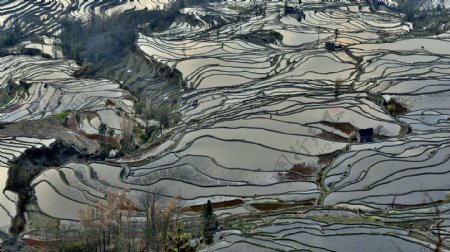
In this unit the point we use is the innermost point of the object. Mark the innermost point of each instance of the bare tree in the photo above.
(107, 226)
(150, 204)
(160, 220)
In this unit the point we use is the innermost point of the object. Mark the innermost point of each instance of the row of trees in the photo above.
(103, 130)
(113, 225)
(127, 143)
(419, 10)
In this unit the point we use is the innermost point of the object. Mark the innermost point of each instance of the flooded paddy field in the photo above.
(50, 11)
(268, 127)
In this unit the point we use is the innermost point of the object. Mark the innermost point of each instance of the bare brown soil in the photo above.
(277, 206)
(333, 137)
(344, 127)
(396, 108)
(231, 203)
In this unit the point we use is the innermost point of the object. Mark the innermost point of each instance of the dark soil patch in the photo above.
(109, 103)
(326, 159)
(280, 205)
(395, 108)
(330, 136)
(16, 108)
(347, 128)
(41, 245)
(261, 37)
(129, 97)
(304, 170)
(231, 203)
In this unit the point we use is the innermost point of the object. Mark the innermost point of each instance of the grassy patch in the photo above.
(347, 219)
(76, 246)
(61, 117)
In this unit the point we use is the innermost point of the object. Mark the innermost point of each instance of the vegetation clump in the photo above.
(426, 18)
(395, 108)
(10, 36)
(209, 222)
(111, 225)
(409, 9)
(62, 117)
(105, 41)
(164, 115)
(262, 37)
(13, 89)
(337, 85)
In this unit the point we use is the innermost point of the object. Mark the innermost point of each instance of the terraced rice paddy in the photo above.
(268, 125)
(53, 90)
(11, 148)
(289, 232)
(49, 11)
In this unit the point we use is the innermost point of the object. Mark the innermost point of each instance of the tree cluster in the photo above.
(106, 133)
(163, 114)
(10, 35)
(108, 226)
(113, 225)
(105, 41)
